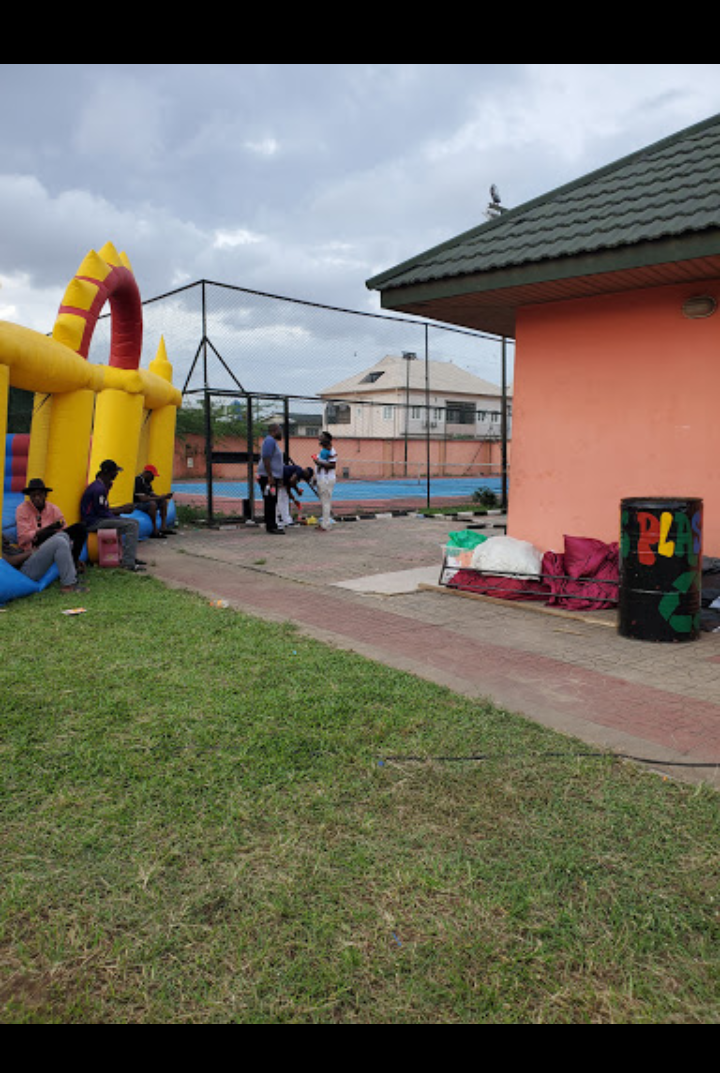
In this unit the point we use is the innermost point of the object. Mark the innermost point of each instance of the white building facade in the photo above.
(403, 396)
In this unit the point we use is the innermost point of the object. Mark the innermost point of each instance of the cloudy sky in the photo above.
(299, 180)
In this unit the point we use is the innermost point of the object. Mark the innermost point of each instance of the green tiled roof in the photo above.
(653, 199)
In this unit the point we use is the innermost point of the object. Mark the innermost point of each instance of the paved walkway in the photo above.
(371, 586)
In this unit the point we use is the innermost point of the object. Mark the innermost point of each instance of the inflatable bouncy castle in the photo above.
(85, 412)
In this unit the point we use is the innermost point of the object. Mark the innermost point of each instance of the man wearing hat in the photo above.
(34, 563)
(96, 513)
(152, 502)
(37, 519)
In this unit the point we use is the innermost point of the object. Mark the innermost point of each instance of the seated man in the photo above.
(96, 513)
(37, 519)
(152, 502)
(34, 563)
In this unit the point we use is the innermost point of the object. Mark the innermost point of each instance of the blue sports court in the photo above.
(360, 491)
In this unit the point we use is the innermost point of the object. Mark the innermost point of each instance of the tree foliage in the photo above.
(226, 420)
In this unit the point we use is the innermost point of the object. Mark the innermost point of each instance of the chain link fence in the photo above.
(243, 358)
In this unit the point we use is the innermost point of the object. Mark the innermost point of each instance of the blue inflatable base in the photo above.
(14, 584)
(146, 523)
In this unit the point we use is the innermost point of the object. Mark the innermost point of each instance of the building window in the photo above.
(460, 413)
(387, 413)
(372, 377)
(415, 412)
(338, 413)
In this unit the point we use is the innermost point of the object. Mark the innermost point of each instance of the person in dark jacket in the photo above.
(292, 475)
(96, 513)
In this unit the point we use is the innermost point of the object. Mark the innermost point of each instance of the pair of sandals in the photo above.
(162, 533)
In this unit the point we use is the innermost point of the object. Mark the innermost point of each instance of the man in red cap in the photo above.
(152, 503)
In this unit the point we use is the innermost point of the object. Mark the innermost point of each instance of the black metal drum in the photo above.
(660, 592)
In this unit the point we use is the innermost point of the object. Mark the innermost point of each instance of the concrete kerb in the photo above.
(373, 589)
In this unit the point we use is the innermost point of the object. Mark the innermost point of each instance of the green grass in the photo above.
(190, 515)
(209, 819)
(194, 516)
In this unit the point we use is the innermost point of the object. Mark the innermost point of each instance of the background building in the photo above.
(610, 287)
(403, 396)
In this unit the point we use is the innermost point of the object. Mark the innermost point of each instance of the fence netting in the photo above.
(243, 358)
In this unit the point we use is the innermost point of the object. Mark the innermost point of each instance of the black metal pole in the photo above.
(250, 463)
(407, 410)
(427, 416)
(208, 416)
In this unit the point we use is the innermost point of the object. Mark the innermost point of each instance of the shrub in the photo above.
(486, 497)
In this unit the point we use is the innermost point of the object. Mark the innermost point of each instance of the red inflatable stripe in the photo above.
(121, 290)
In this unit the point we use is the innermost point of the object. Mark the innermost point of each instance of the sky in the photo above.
(297, 180)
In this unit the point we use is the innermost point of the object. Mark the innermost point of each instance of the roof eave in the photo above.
(488, 301)
(508, 218)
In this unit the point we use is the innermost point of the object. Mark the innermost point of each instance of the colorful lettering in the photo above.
(666, 547)
(697, 530)
(649, 533)
(654, 535)
(684, 538)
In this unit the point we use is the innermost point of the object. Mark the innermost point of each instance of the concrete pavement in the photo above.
(371, 586)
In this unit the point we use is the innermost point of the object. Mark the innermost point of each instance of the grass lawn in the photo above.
(209, 819)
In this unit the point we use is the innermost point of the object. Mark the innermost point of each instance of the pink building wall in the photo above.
(614, 396)
(378, 459)
(364, 459)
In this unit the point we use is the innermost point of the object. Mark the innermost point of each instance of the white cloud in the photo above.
(300, 180)
(240, 237)
(267, 147)
(31, 307)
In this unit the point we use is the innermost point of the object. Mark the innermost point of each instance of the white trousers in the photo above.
(326, 487)
(284, 517)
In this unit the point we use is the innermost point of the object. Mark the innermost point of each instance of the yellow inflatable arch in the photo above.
(85, 412)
